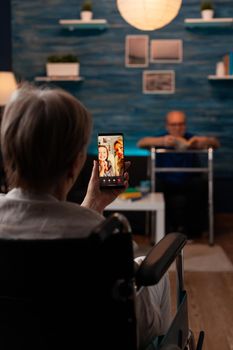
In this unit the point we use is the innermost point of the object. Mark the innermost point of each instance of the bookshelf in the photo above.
(212, 23)
(65, 78)
(72, 24)
(217, 77)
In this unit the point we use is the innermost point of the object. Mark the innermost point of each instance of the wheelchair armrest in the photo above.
(159, 259)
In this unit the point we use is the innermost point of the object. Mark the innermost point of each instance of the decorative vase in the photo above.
(86, 15)
(62, 69)
(207, 14)
(220, 69)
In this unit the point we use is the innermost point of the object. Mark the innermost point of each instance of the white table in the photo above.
(152, 202)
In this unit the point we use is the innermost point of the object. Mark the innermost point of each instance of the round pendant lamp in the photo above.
(148, 14)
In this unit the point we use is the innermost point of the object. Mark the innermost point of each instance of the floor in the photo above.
(223, 234)
(210, 307)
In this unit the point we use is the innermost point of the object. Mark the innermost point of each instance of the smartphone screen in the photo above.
(111, 160)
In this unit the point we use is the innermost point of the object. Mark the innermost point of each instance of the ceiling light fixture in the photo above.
(148, 14)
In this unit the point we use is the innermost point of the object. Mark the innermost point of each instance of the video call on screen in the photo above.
(111, 158)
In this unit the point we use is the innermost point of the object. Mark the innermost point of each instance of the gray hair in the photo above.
(42, 132)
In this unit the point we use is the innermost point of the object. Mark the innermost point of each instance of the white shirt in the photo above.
(33, 216)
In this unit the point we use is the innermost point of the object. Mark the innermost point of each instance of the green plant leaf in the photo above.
(87, 6)
(62, 58)
(207, 5)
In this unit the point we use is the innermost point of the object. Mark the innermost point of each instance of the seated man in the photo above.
(44, 139)
(185, 193)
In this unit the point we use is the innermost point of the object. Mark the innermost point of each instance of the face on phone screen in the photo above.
(111, 160)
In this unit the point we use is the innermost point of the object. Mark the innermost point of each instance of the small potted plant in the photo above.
(86, 13)
(207, 9)
(62, 65)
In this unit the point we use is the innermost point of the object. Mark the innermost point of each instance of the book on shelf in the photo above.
(228, 63)
(231, 63)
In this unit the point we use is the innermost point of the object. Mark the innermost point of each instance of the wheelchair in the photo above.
(80, 293)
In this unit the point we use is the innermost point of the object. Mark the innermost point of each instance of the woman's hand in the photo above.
(96, 198)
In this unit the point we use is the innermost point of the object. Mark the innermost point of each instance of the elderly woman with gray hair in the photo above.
(44, 138)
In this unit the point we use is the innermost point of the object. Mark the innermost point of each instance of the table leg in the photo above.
(153, 227)
(147, 223)
(160, 225)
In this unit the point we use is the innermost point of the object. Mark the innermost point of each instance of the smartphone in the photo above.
(111, 160)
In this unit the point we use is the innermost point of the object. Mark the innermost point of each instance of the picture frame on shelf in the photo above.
(136, 51)
(158, 82)
(166, 51)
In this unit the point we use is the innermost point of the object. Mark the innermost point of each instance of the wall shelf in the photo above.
(72, 24)
(51, 79)
(212, 23)
(224, 77)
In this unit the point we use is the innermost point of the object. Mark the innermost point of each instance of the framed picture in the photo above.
(166, 51)
(158, 82)
(136, 50)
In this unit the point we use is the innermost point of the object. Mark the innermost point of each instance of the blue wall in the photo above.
(113, 92)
